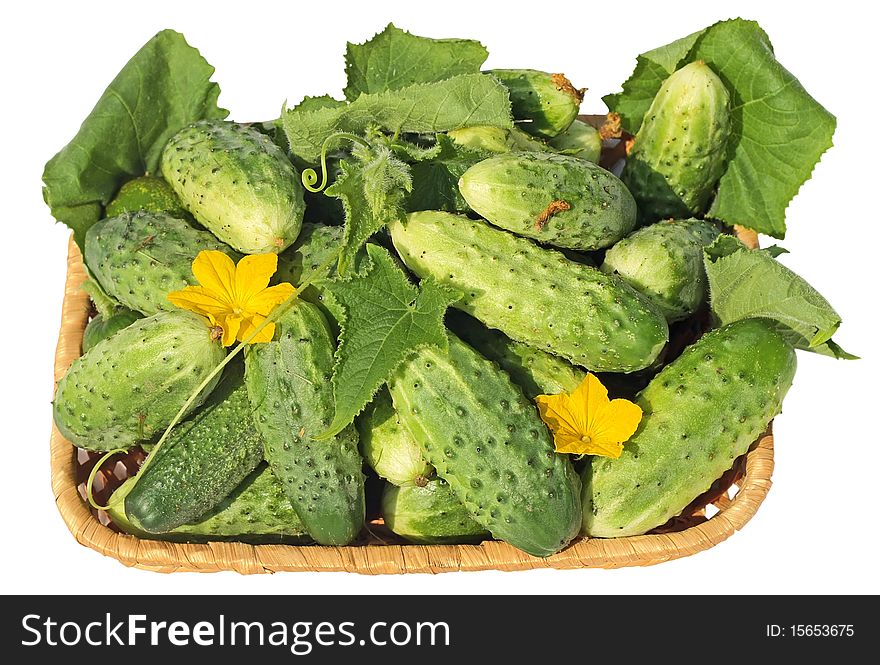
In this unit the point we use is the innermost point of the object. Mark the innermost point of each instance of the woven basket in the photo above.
(712, 518)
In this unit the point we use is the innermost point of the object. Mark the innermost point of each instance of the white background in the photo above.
(817, 531)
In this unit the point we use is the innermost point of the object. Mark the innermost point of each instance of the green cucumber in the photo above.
(101, 327)
(203, 460)
(429, 515)
(581, 140)
(129, 387)
(237, 183)
(701, 412)
(544, 104)
(288, 381)
(534, 295)
(387, 446)
(256, 512)
(139, 258)
(147, 193)
(536, 372)
(496, 140)
(664, 261)
(316, 246)
(680, 151)
(488, 442)
(556, 199)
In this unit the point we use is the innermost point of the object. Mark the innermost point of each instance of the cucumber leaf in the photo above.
(395, 59)
(385, 318)
(163, 88)
(779, 130)
(372, 186)
(435, 182)
(422, 108)
(747, 284)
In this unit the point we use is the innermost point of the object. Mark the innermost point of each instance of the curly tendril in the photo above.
(310, 176)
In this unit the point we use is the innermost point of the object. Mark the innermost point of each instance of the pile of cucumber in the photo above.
(559, 267)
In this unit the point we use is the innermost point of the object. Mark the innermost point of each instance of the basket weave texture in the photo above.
(736, 497)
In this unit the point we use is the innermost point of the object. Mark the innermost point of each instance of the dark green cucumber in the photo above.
(203, 460)
(289, 385)
(316, 245)
(536, 372)
(534, 295)
(258, 511)
(488, 442)
(429, 515)
(544, 104)
(139, 258)
(147, 193)
(701, 412)
(101, 327)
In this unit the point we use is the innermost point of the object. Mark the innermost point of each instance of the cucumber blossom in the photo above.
(557, 199)
(129, 387)
(701, 412)
(139, 258)
(581, 140)
(664, 261)
(237, 183)
(201, 462)
(147, 193)
(488, 442)
(288, 381)
(429, 515)
(544, 104)
(534, 295)
(680, 150)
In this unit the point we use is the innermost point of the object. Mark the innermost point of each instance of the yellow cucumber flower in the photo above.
(236, 299)
(587, 422)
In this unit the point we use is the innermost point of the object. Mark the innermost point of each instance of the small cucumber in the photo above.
(237, 183)
(680, 150)
(544, 104)
(147, 193)
(316, 245)
(288, 381)
(664, 261)
(581, 140)
(488, 442)
(534, 295)
(100, 327)
(556, 199)
(388, 447)
(203, 460)
(701, 412)
(429, 515)
(496, 140)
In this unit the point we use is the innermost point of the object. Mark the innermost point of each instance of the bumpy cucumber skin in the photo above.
(237, 183)
(429, 515)
(147, 193)
(664, 261)
(128, 388)
(203, 460)
(101, 328)
(139, 258)
(680, 150)
(258, 511)
(542, 101)
(534, 295)
(488, 442)
(388, 447)
(701, 412)
(581, 140)
(536, 372)
(289, 385)
(516, 191)
(315, 245)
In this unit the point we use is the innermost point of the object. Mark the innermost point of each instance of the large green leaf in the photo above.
(395, 59)
(779, 130)
(385, 318)
(163, 88)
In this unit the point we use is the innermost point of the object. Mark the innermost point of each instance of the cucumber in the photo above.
(534, 295)
(556, 199)
(288, 381)
(128, 388)
(701, 412)
(533, 370)
(544, 104)
(203, 460)
(139, 258)
(256, 512)
(580, 140)
(237, 183)
(147, 193)
(488, 442)
(429, 515)
(498, 140)
(313, 248)
(387, 446)
(101, 327)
